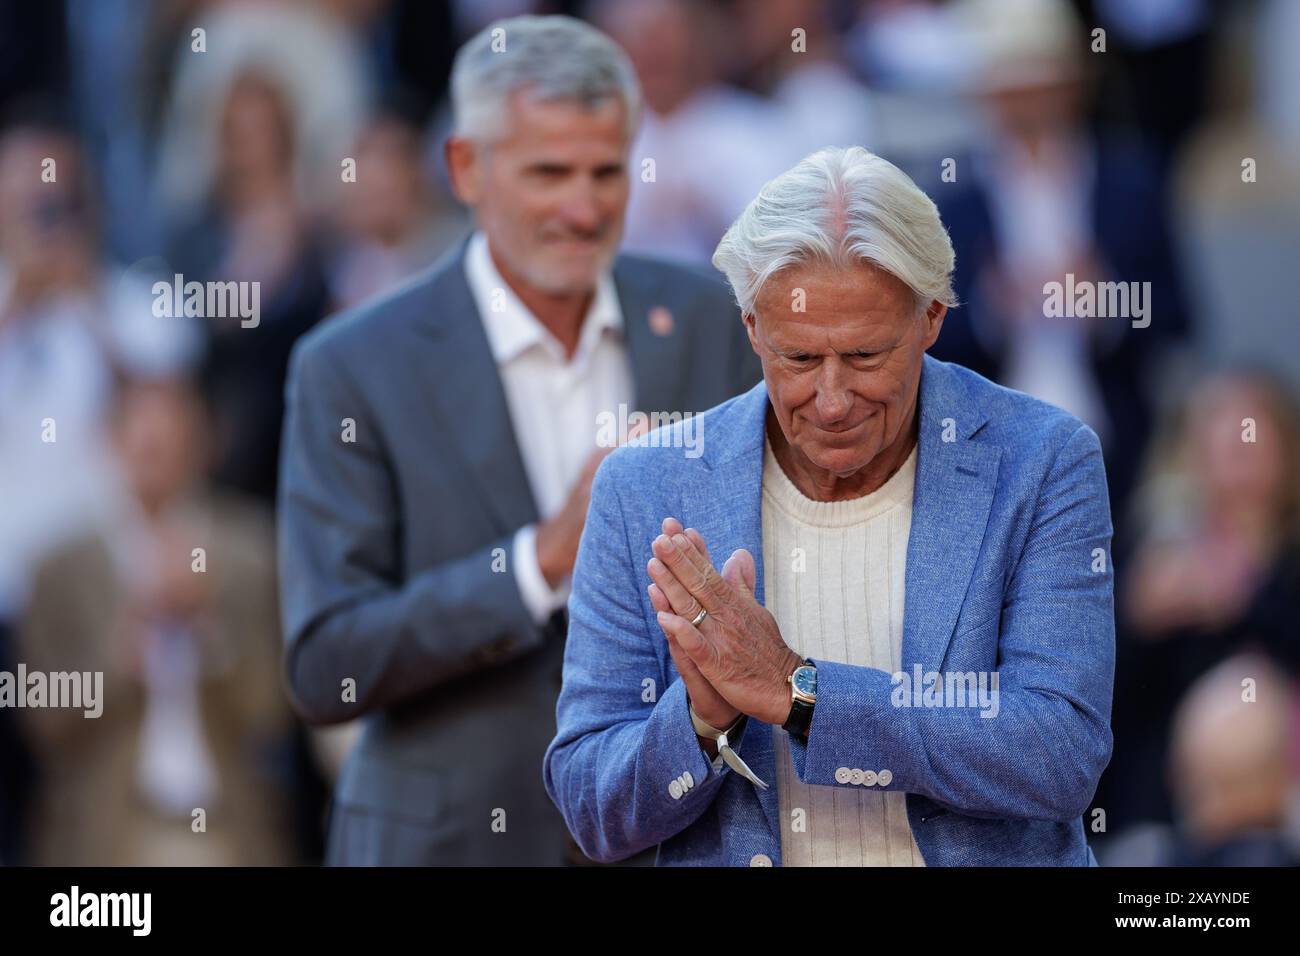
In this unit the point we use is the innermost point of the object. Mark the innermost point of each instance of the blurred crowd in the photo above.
(215, 139)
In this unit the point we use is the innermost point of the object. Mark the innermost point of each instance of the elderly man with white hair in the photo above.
(907, 656)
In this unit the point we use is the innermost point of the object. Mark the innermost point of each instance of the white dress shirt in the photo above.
(555, 403)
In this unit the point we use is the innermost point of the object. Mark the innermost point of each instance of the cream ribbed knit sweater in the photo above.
(833, 579)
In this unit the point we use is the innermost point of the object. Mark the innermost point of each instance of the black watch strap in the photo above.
(800, 719)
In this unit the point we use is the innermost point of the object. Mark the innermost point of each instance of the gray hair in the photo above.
(553, 57)
(839, 206)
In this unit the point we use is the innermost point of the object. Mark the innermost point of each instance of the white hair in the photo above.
(839, 206)
(555, 58)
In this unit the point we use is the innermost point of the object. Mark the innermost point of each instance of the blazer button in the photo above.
(885, 778)
(760, 859)
(842, 775)
(856, 776)
(687, 780)
(869, 778)
(675, 789)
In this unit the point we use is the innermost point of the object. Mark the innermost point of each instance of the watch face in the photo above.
(805, 680)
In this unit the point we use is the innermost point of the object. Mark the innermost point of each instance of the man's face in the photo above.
(551, 194)
(842, 375)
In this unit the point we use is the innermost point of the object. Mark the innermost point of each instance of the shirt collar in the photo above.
(512, 328)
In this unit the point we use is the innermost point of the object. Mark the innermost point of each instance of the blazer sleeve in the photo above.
(1042, 754)
(350, 612)
(625, 768)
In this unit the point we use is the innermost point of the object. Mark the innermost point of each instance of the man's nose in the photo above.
(833, 398)
(582, 209)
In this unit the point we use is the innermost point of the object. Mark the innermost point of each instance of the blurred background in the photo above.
(1165, 149)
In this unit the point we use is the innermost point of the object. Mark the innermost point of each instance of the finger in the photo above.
(672, 526)
(657, 599)
(681, 630)
(680, 600)
(695, 571)
(740, 571)
(697, 685)
(698, 541)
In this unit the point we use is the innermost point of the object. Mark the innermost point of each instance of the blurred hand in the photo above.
(558, 536)
(171, 589)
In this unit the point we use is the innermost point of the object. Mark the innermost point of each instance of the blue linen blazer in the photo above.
(1008, 570)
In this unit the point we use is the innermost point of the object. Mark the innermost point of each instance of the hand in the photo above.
(738, 648)
(558, 537)
(174, 590)
(711, 706)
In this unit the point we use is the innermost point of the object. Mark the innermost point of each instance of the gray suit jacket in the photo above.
(387, 545)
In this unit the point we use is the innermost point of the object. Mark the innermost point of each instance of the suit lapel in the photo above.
(464, 392)
(656, 354)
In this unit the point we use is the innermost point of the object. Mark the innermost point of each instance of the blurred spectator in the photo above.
(1044, 200)
(1153, 75)
(257, 130)
(915, 58)
(299, 50)
(65, 320)
(1233, 768)
(1216, 569)
(820, 103)
(191, 693)
(113, 53)
(711, 146)
(254, 230)
(393, 224)
(1238, 195)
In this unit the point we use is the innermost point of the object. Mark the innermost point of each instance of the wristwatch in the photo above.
(803, 698)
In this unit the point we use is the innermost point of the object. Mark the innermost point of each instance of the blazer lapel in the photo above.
(464, 392)
(955, 482)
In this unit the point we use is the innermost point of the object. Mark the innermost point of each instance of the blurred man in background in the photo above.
(439, 450)
(173, 599)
